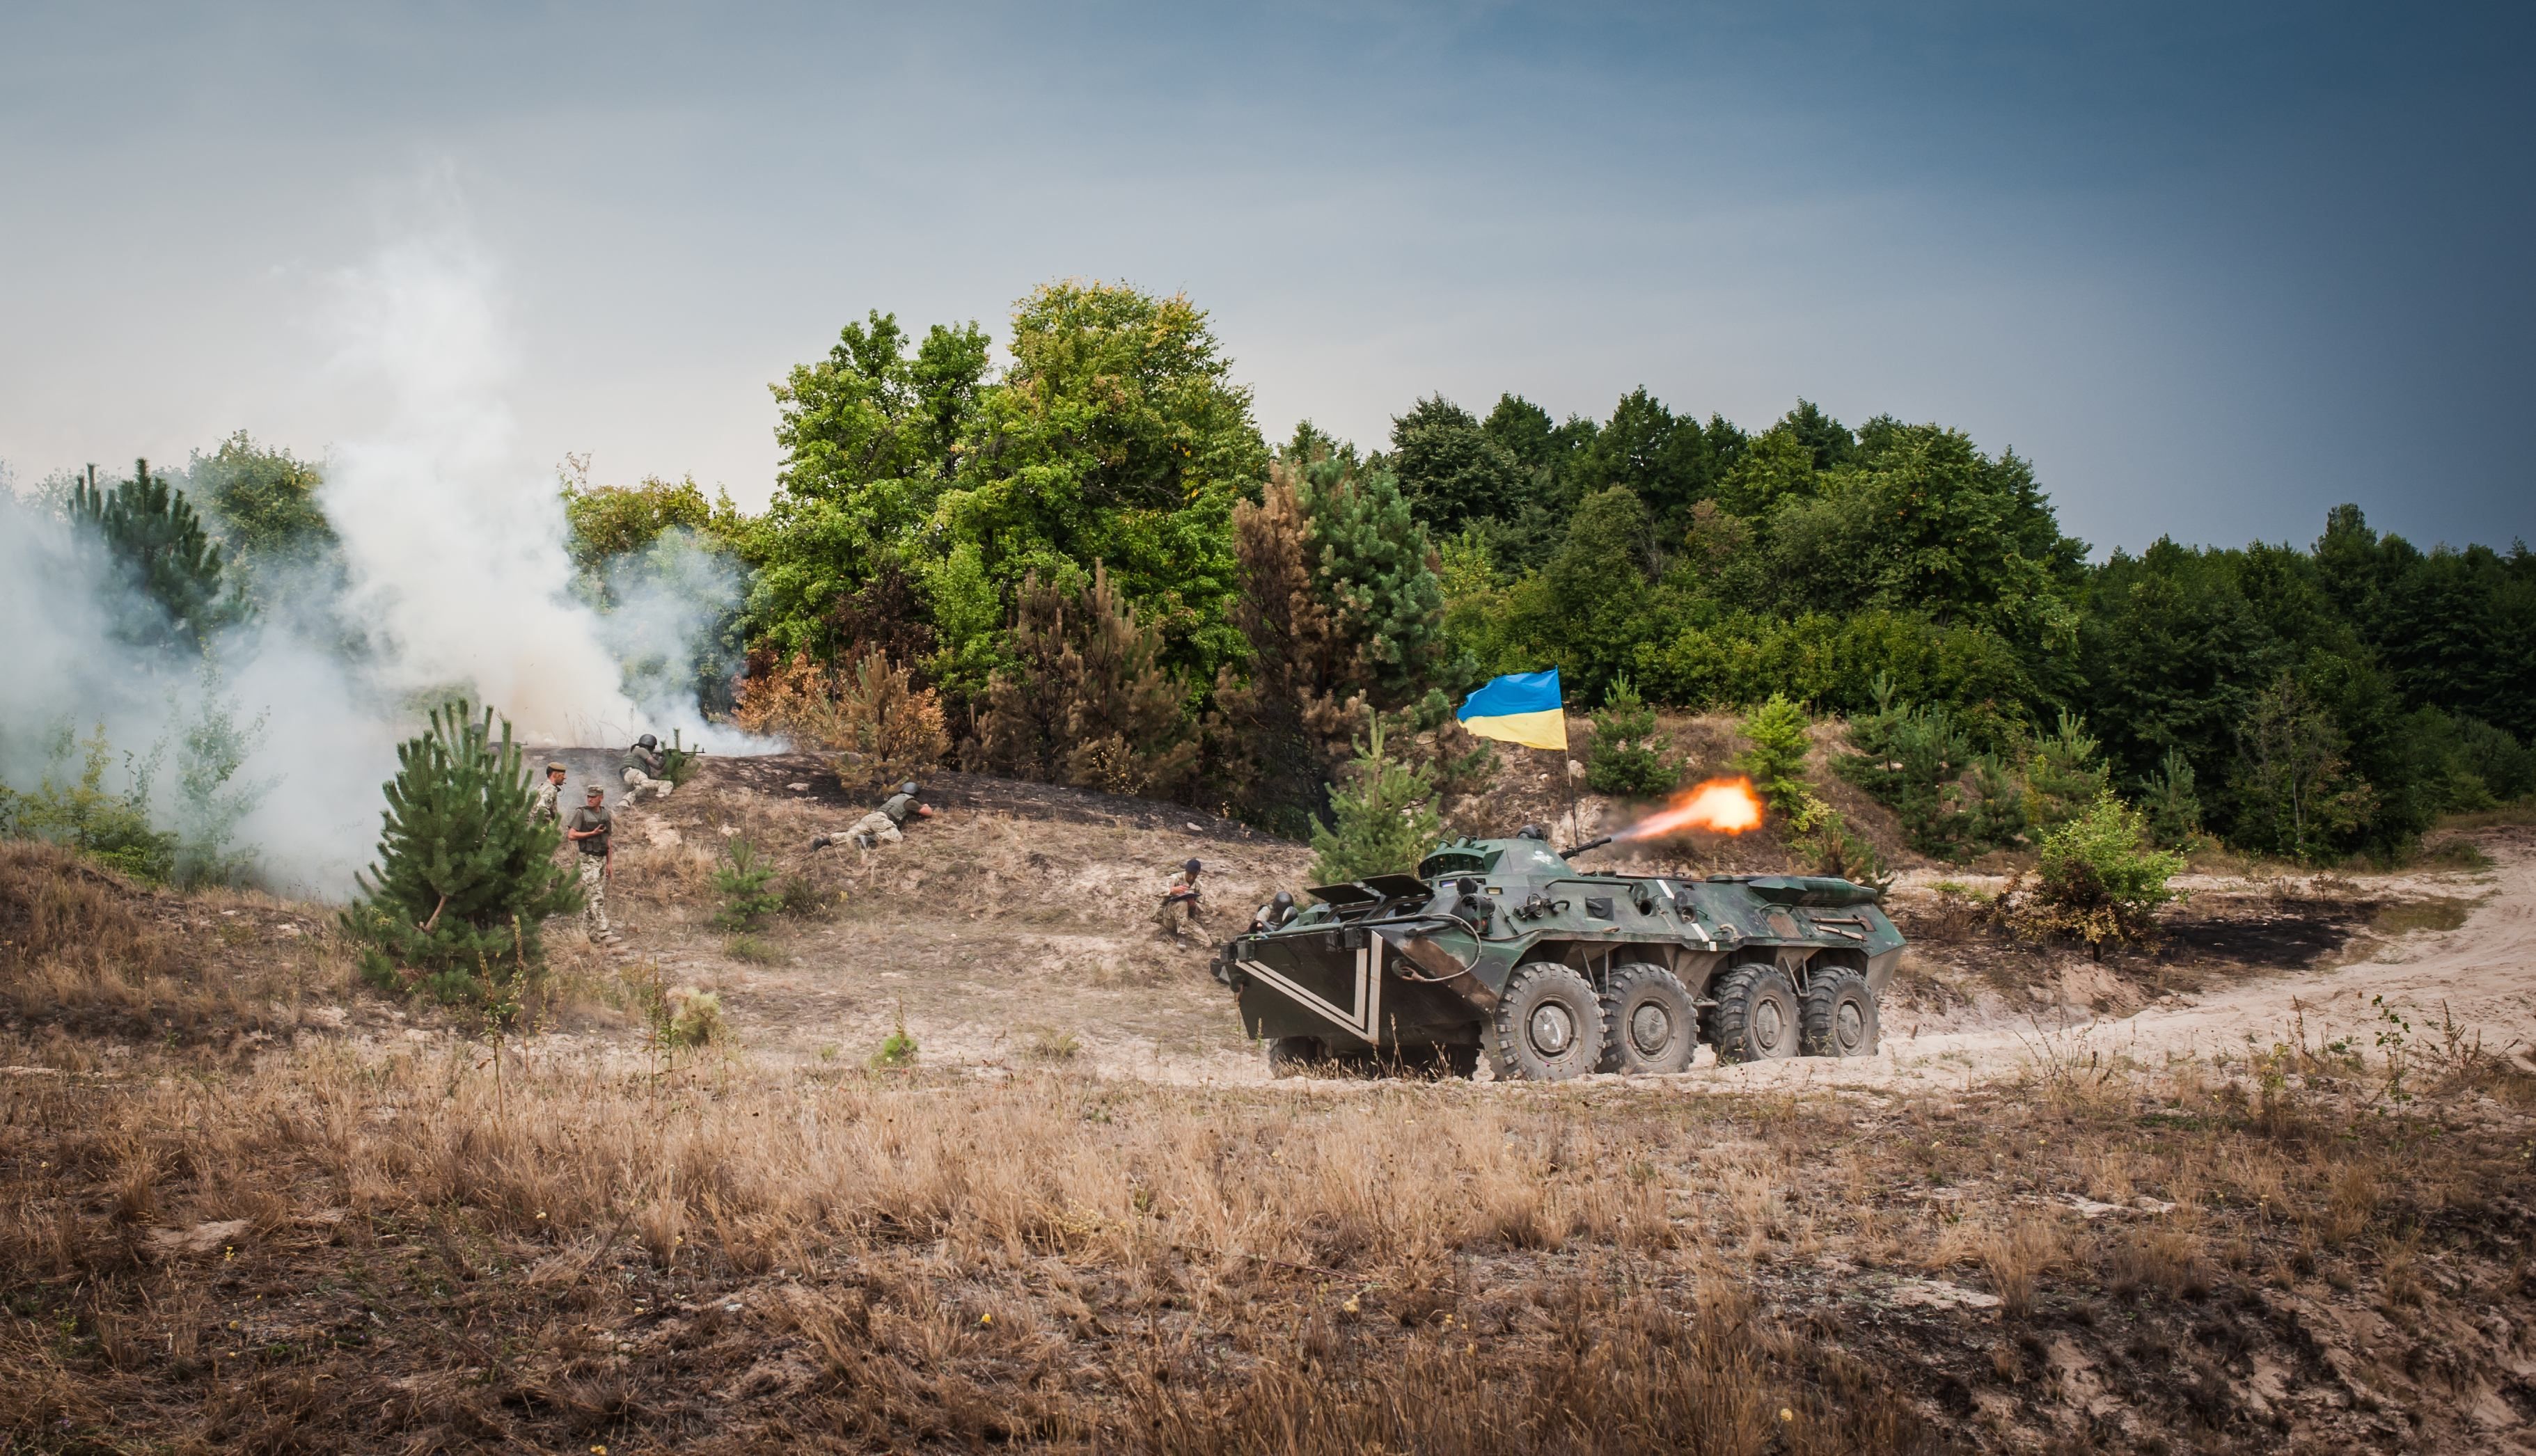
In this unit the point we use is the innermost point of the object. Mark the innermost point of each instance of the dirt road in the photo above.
(2480, 976)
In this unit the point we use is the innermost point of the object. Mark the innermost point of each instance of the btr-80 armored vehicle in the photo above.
(1501, 944)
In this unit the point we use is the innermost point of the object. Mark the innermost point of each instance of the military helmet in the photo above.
(1283, 899)
(647, 741)
(1531, 831)
(908, 787)
(1192, 867)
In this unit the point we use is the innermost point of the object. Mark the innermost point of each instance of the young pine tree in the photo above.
(465, 872)
(2064, 775)
(1629, 755)
(1384, 817)
(158, 542)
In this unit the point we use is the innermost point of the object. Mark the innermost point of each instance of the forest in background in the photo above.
(1091, 566)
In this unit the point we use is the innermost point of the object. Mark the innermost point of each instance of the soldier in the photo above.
(644, 768)
(590, 829)
(1277, 911)
(1181, 894)
(881, 825)
(548, 808)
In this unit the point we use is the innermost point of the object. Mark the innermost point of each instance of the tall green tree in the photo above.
(1118, 437)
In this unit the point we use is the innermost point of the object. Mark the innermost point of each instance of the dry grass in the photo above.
(84, 949)
(917, 1258)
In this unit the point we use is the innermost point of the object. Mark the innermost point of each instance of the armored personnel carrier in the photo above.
(1505, 946)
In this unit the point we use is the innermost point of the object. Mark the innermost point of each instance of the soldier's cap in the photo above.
(1192, 867)
(595, 791)
(556, 768)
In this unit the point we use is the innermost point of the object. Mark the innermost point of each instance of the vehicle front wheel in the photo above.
(1757, 1016)
(1649, 1024)
(1840, 1016)
(1548, 1026)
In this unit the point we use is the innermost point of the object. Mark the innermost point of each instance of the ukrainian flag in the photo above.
(1519, 708)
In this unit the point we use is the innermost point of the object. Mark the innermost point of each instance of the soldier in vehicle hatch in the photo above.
(881, 826)
(1275, 914)
(646, 768)
(590, 829)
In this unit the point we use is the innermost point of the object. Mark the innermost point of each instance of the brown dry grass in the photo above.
(738, 1256)
(82, 948)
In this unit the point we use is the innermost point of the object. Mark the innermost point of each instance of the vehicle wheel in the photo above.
(1840, 1016)
(1757, 1017)
(1649, 1024)
(1548, 1026)
(1295, 1056)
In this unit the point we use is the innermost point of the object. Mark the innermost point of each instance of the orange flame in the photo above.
(1720, 806)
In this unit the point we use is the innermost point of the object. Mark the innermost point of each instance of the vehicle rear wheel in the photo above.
(1649, 1024)
(1757, 1016)
(1295, 1056)
(1840, 1016)
(1547, 1026)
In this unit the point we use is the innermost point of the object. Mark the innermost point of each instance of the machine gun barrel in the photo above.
(1591, 844)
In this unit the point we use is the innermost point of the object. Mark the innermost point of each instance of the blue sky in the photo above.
(2212, 268)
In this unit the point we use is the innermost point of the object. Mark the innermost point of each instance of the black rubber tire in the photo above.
(1757, 1016)
(1548, 1026)
(1295, 1056)
(1643, 1003)
(1840, 1017)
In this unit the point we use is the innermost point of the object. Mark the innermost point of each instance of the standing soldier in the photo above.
(548, 808)
(590, 829)
(645, 768)
(881, 825)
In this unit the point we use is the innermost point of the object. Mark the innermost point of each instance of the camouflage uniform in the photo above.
(643, 771)
(549, 807)
(593, 866)
(880, 826)
(1180, 897)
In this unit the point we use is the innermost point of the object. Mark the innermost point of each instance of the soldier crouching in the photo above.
(645, 768)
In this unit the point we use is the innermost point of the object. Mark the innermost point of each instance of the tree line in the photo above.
(1090, 565)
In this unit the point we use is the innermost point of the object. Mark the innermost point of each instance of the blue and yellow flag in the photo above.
(1519, 708)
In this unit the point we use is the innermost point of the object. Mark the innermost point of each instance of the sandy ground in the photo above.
(1014, 931)
(2480, 978)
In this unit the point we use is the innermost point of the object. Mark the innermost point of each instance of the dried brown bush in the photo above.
(868, 710)
(1087, 700)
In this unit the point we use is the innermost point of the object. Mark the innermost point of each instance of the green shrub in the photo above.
(2172, 802)
(1630, 756)
(465, 873)
(110, 828)
(1953, 801)
(754, 949)
(898, 1049)
(743, 879)
(1384, 819)
(1776, 761)
(694, 1017)
(2064, 773)
(2098, 879)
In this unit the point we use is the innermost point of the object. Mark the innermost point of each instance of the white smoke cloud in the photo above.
(453, 567)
